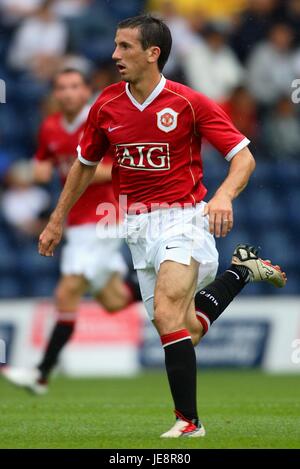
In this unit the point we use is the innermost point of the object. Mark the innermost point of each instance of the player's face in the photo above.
(131, 59)
(71, 92)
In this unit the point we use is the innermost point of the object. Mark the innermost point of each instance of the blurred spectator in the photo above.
(281, 131)
(70, 8)
(241, 108)
(77, 62)
(24, 204)
(253, 25)
(292, 17)
(180, 28)
(5, 162)
(210, 65)
(12, 11)
(212, 9)
(92, 33)
(105, 74)
(39, 43)
(271, 66)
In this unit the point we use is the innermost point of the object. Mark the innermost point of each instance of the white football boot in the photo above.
(259, 269)
(29, 379)
(184, 428)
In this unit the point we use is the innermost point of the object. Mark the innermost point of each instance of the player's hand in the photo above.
(50, 238)
(219, 210)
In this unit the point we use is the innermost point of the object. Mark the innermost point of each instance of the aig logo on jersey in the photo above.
(144, 156)
(167, 119)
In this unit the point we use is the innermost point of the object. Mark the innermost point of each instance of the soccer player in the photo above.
(155, 127)
(88, 262)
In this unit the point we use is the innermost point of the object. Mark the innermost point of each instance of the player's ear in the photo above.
(153, 54)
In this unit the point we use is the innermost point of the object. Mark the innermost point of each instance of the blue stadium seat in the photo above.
(286, 173)
(240, 211)
(292, 203)
(31, 263)
(262, 176)
(120, 10)
(226, 245)
(8, 260)
(10, 287)
(11, 127)
(278, 246)
(38, 286)
(265, 207)
(253, 289)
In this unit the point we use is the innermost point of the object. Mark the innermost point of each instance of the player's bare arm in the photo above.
(102, 173)
(219, 208)
(42, 171)
(78, 180)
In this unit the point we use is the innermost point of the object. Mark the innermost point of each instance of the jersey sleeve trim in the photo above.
(83, 160)
(237, 148)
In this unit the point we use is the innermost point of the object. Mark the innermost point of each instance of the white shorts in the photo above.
(87, 254)
(176, 234)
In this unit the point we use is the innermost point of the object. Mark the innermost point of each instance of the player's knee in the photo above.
(167, 320)
(114, 301)
(169, 312)
(111, 306)
(66, 293)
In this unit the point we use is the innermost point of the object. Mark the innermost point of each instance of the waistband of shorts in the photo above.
(155, 207)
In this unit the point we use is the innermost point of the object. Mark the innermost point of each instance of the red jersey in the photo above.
(57, 143)
(157, 144)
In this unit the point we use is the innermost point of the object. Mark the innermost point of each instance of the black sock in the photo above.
(214, 299)
(181, 369)
(60, 336)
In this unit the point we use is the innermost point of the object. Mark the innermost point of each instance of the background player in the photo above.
(87, 261)
(155, 127)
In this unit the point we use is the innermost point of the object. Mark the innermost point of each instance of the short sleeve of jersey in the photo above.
(42, 153)
(93, 144)
(214, 124)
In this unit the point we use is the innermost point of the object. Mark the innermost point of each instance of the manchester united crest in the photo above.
(167, 119)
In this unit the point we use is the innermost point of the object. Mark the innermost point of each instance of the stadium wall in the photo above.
(253, 333)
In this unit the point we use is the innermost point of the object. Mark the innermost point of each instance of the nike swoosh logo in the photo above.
(172, 247)
(111, 129)
(234, 273)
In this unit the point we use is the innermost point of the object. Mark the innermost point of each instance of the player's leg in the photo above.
(68, 293)
(174, 292)
(115, 295)
(193, 324)
(113, 284)
(67, 296)
(246, 266)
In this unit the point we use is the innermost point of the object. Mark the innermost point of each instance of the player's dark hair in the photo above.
(69, 70)
(154, 32)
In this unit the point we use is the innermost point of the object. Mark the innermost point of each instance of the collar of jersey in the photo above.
(71, 127)
(157, 90)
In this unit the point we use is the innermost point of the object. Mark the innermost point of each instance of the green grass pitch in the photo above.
(240, 409)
